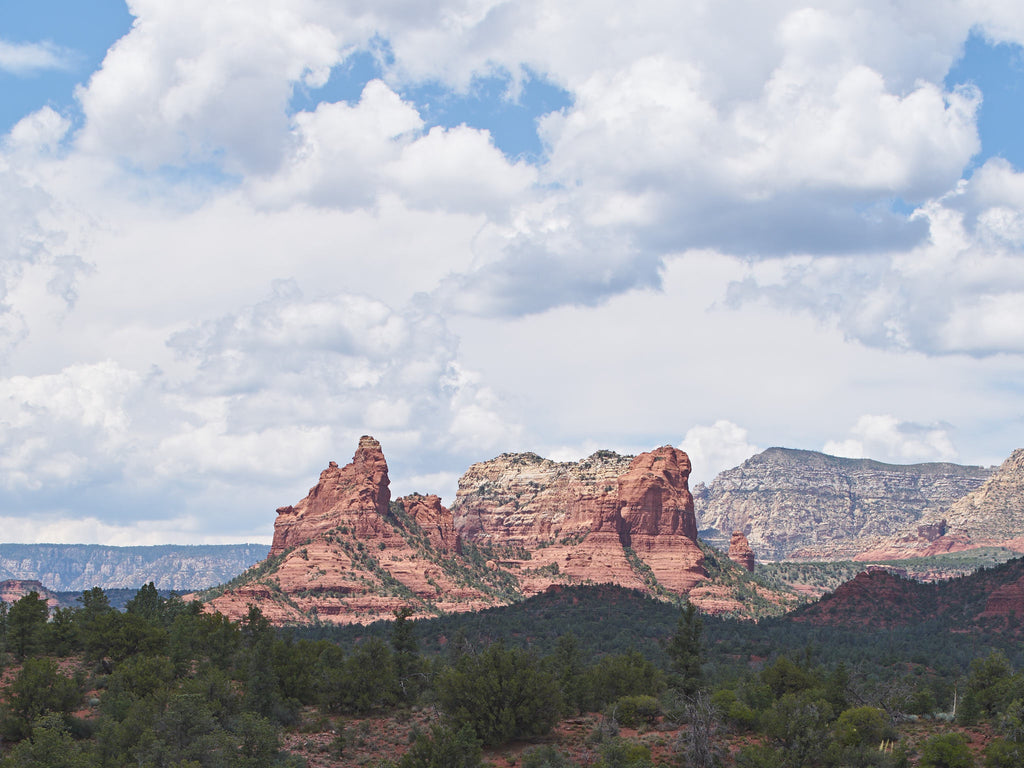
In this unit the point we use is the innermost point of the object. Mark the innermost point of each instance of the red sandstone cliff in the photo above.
(355, 496)
(607, 518)
(345, 554)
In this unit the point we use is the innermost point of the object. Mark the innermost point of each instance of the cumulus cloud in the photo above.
(960, 292)
(667, 145)
(64, 428)
(342, 363)
(205, 82)
(759, 147)
(352, 155)
(887, 438)
(716, 447)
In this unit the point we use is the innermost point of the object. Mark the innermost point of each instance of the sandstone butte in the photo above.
(520, 524)
(347, 554)
(740, 551)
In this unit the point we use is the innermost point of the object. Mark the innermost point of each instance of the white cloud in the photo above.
(958, 293)
(346, 156)
(38, 133)
(64, 428)
(887, 438)
(64, 529)
(456, 303)
(713, 448)
(27, 58)
(201, 82)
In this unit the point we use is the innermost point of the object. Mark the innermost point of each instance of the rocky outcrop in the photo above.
(520, 499)
(521, 524)
(347, 554)
(793, 504)
(605, 519)
(356, 496)
(991, 516)
(994, 513)
(78, 567)
(436, 521)
(740, 551)
(12, 590)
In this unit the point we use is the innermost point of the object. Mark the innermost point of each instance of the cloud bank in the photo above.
(748, 226)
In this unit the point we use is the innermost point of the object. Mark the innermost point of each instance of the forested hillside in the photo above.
(600, 676)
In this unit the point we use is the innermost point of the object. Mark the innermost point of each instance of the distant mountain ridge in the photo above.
(78, 567)
(795, 504)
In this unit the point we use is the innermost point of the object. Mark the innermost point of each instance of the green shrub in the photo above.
(545, 756)
(946, 750)
(632, 711)
(863, 726)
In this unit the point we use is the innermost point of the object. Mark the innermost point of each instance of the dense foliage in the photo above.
(164, 685)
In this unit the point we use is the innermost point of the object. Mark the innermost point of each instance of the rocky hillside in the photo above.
(12, 590)
(994, 513)
(348, 553)
(992, 598)
(795, 504)
(78, 567)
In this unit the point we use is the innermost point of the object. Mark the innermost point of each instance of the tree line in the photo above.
(164, 684)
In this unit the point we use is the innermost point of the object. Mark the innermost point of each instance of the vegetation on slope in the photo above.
(587, 676)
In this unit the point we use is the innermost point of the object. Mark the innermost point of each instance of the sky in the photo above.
(234, 237)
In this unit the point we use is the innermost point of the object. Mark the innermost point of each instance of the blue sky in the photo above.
(79, 36)
(234, 239)
(998, 71)
(82, 39)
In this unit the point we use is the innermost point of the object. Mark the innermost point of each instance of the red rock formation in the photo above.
(740, 551)
(12, 590)
(345, 554)
(586, 517)
(355, 496)
(654, 495)
(341, 555)
(435, 520)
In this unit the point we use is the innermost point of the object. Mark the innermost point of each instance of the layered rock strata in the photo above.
(605, 519)
(347, 554)
(794, 504)
(990, 516)
(356, 496)
(78, 567)
(994, 513)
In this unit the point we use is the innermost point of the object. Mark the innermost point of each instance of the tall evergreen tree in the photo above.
(686, 651)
